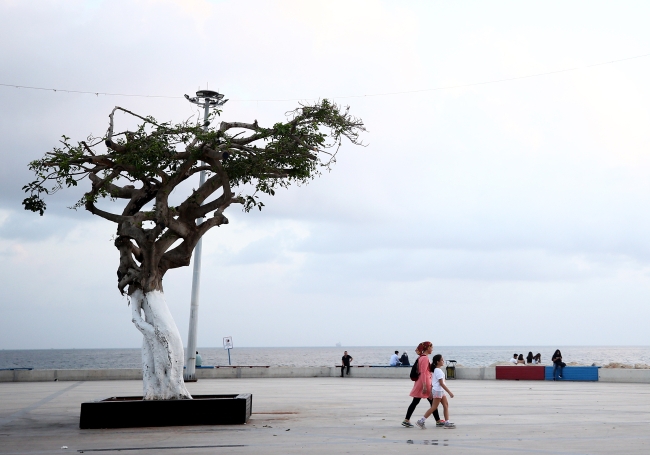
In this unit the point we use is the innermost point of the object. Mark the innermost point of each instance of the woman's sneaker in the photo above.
(420, 424)
(440, 423)
(407, 424)
(448, 425)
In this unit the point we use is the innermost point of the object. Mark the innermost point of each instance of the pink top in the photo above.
(425, 378)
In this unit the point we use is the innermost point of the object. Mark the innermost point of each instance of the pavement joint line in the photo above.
(371, 441)
(38, 404)
(514, 449)
(210, 446)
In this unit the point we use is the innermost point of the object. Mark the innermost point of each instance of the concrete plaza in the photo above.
(349, 415)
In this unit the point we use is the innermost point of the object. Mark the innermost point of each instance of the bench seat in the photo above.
(574, 374)
(523, 372)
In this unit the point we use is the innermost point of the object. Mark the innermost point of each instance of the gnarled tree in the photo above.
(143, 167)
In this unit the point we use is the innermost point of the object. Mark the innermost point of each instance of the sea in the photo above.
(468, 356)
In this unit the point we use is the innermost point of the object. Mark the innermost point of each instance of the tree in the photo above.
(143, 167)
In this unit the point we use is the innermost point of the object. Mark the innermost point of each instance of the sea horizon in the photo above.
(303, 356)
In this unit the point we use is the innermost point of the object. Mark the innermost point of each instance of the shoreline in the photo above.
(474, 357)
(267, 372)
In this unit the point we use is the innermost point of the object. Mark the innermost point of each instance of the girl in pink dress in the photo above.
(422, 387)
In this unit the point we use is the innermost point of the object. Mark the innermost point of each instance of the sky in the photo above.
(478, 212)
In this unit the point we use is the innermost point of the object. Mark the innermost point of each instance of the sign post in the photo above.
(227, 344)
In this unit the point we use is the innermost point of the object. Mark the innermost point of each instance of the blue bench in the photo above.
(573, 374)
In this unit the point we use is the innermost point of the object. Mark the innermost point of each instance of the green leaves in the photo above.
(35, 204)
(265, 159)
(293, 151)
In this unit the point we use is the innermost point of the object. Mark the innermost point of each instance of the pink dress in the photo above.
(425, 378)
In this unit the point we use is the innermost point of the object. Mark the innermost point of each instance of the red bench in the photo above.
(524, 372)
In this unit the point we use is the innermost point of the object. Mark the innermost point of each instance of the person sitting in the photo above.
(537, 359)
(404, 360)
(394, 360)
(520, 360)
(514, 359)
(199, 359)
(529, 358)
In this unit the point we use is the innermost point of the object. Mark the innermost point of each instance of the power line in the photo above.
(404, 92)
(86, 93)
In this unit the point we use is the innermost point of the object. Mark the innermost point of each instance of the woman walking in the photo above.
(422, 387)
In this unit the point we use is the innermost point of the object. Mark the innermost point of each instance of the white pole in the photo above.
(190, 355)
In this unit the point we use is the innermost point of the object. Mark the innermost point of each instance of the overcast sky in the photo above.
(509, 213)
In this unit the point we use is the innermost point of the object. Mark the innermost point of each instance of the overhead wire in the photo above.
(403, 92)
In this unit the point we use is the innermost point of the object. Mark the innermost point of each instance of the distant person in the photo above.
(345, 363)
(520, 360)
(199, 359)
(537, 359)
(558, 365)
(529, 357)
(404, 360)
(438, 393)
(422, 387)
(514, 359)
(394, 359)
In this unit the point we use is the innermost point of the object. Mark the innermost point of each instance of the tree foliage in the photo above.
(144, 166)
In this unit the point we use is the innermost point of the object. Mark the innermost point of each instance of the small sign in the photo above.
(227, 342)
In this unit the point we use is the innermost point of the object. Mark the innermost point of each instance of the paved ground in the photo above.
(334, 415)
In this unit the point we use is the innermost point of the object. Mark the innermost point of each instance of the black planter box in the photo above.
(127, 412)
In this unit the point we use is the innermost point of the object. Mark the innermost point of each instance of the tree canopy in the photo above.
(144, 166)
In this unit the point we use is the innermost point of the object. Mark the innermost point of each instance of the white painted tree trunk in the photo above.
(162, 347)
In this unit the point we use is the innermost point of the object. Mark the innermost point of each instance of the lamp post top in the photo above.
(207, 98)
(209, 94)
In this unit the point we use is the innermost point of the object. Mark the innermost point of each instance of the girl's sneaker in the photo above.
(448, 425)
(440, 423)
(407, 424)
(420, 424)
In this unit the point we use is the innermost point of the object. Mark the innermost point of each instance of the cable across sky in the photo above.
(402, 92)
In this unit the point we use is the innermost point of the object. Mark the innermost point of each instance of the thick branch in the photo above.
(106, 215)
(123, 192)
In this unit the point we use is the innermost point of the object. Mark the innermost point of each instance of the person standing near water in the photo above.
(345, 362)
(422, 387)
(558, 365)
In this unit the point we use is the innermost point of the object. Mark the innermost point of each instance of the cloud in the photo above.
(486, 204)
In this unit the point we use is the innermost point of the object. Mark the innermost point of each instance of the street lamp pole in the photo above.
(207, 99)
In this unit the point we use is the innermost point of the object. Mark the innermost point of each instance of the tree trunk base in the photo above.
(162, 348)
